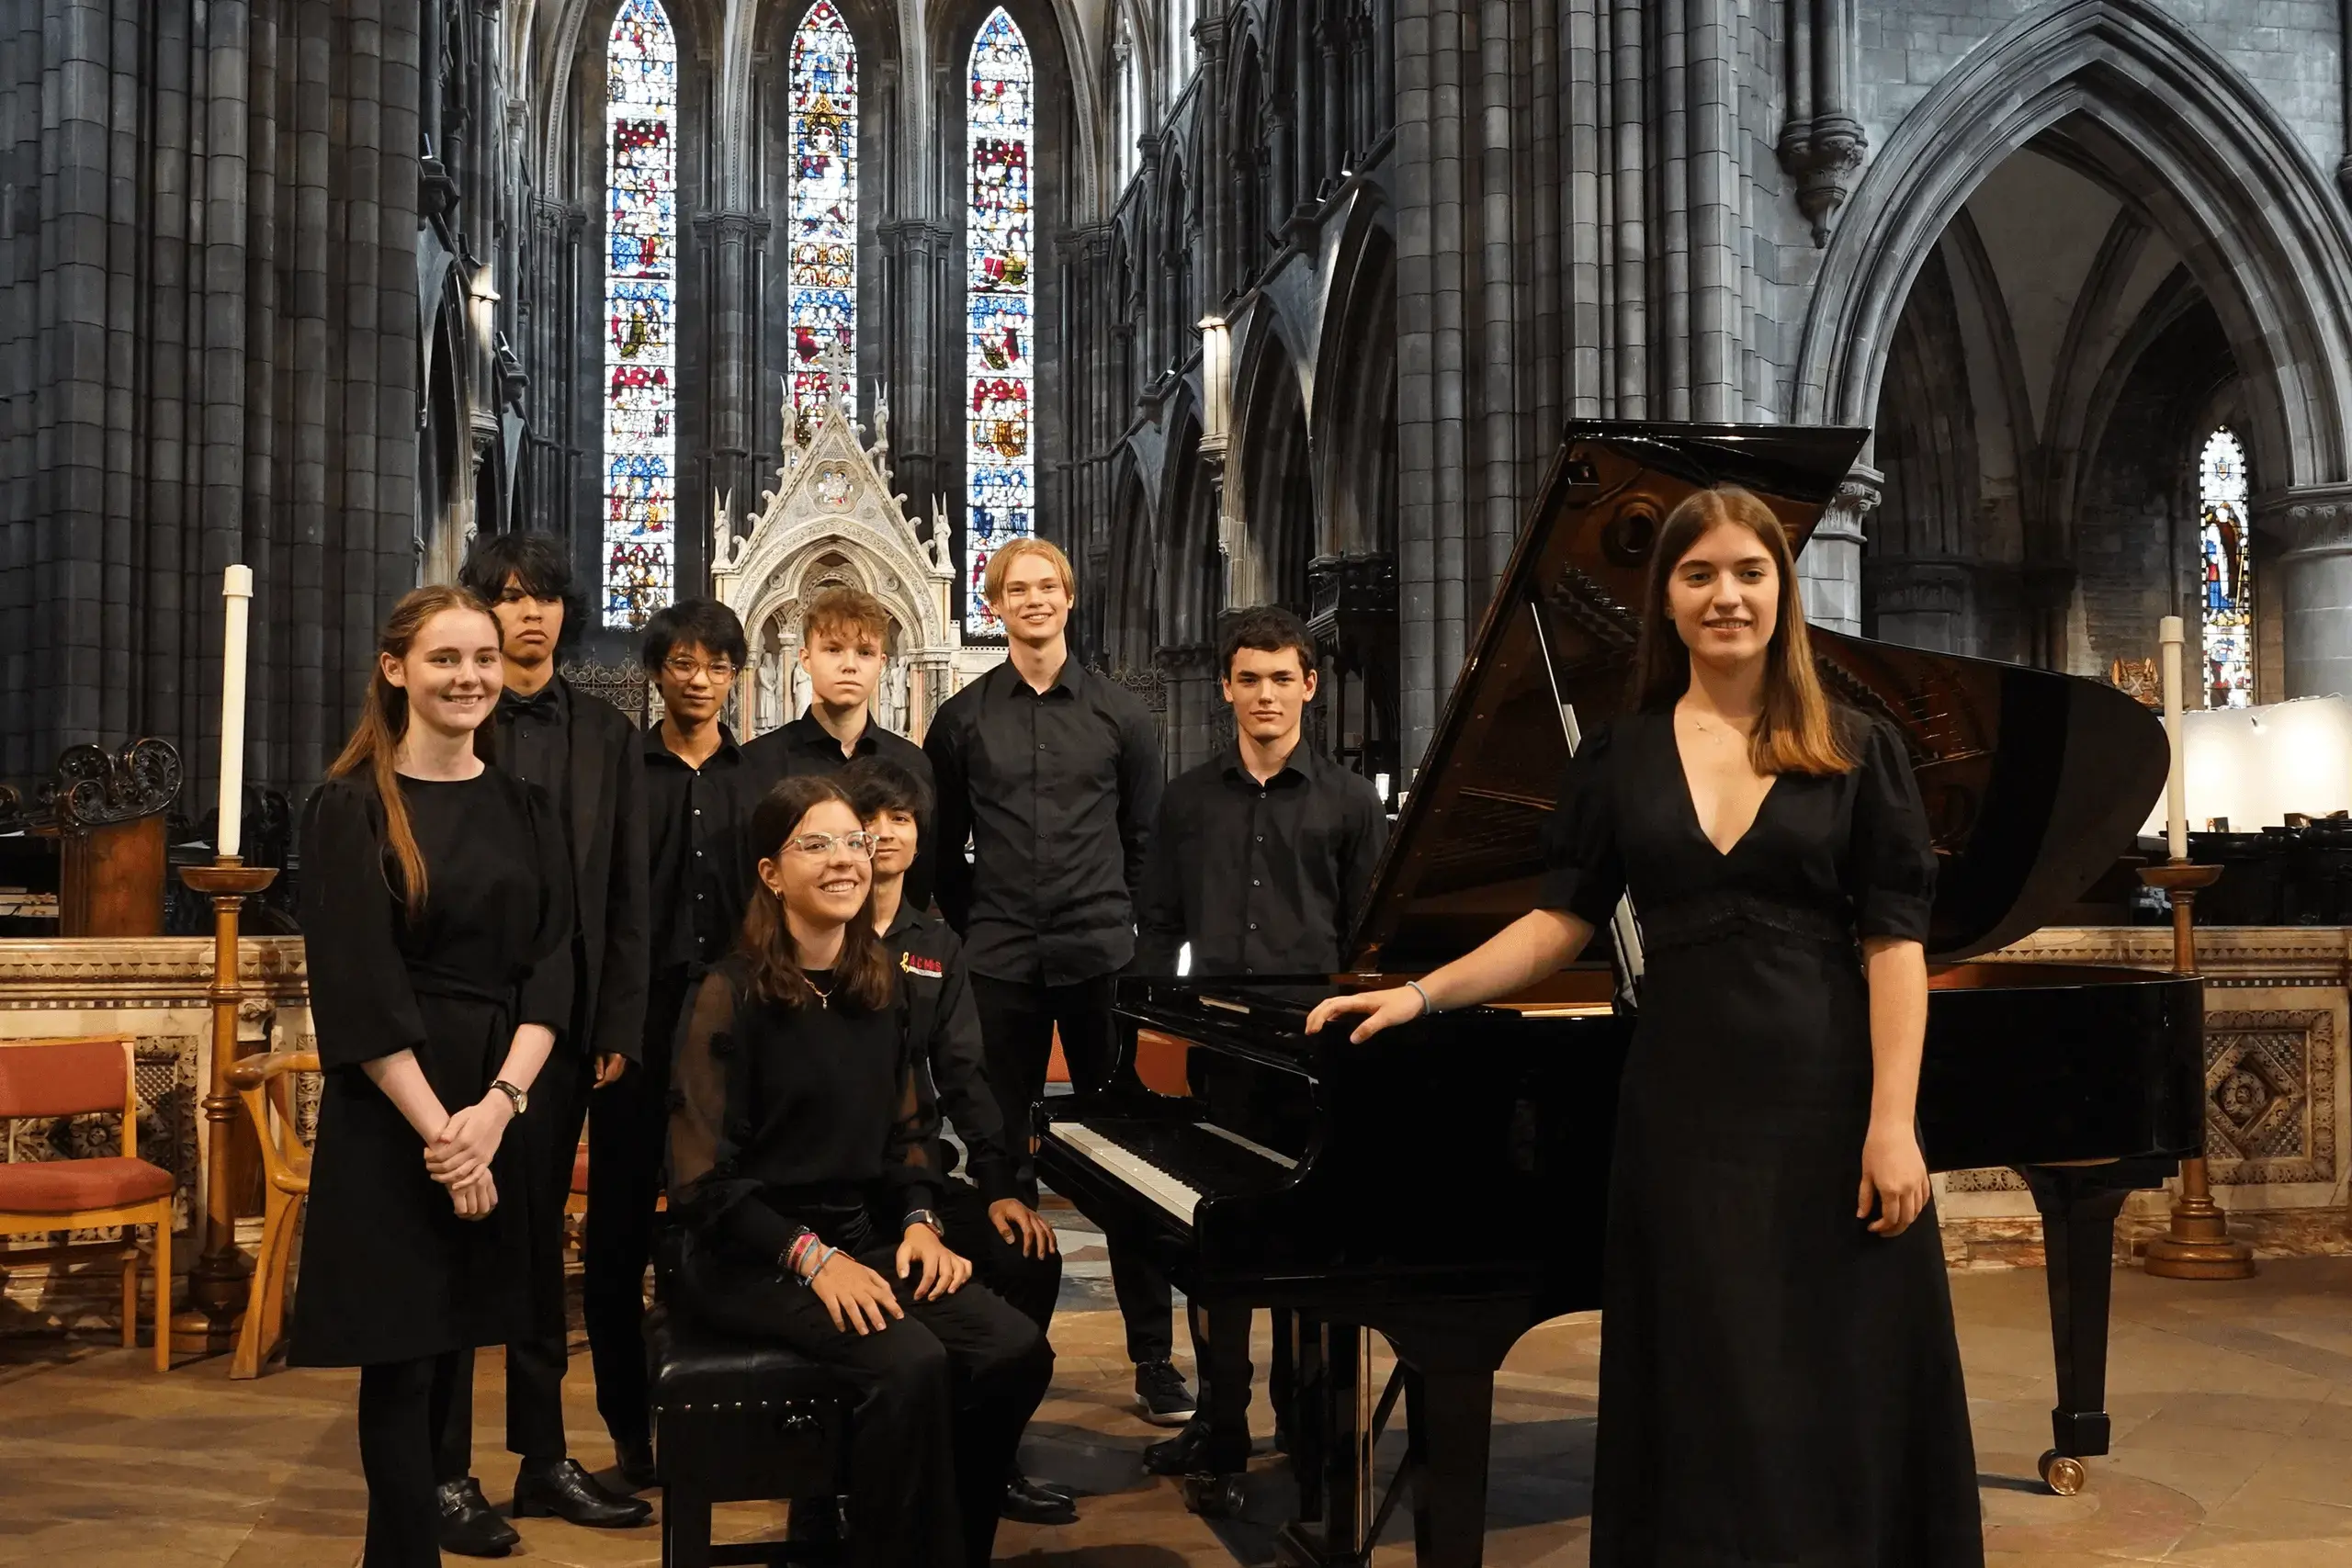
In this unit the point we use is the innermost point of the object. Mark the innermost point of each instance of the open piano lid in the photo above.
(2034, 781)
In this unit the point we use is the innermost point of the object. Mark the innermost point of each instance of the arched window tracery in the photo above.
(821, 304)
(640, 312)
(2226, 590)
(999, 237)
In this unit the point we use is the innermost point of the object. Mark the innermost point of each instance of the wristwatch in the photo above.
(522, 1100)
(925, 1217)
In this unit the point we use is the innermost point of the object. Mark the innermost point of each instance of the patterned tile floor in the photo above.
(2233, 1409)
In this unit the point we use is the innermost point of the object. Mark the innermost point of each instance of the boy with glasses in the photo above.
(695, 811)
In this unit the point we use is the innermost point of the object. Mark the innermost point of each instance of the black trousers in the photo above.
(942, 1396)
(1221, 1352)
(629, 1130)
(403, 1407)
(535, 1367)
(1029, 1285)
(1017, 1023)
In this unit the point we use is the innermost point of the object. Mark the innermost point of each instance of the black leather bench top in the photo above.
(692, 1363)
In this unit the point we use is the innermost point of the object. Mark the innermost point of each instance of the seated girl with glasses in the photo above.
(803, 1169)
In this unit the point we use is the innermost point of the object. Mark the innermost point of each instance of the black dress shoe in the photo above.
(635, 1462)
(1194, 1451)
(1033, 1504)
(1179, 1455)
(563, 1489)
(470, 1526)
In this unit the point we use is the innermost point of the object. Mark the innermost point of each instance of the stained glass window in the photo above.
(640, 314)
(823, 305)
(2229, 582)
(1000, 495)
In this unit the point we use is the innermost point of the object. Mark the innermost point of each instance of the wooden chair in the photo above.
(74, 1078)
(265, 1084)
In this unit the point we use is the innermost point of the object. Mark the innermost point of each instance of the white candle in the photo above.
(2169, 635)
(237, 591)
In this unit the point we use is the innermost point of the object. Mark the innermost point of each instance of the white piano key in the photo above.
(1154, 1183)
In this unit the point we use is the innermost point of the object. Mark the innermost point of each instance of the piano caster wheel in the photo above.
(2062, 1473)
(1214, 1496)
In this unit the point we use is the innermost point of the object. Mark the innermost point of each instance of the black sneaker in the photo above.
(1161, 1397)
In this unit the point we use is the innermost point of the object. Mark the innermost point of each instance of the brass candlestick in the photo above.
(217, 1283)
(2198, 1247)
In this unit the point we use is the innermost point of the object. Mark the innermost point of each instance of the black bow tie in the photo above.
(540, 706)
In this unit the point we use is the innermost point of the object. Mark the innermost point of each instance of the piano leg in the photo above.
(2078, 1206)
(1282, 1376)
(1450, 1413)
(1305, 1427)
(1333, 1457)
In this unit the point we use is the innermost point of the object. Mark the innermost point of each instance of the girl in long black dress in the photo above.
(801, 1164)
(435, 917)
(1779, 1382)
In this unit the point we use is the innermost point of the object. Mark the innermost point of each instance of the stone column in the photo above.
(1829, 572)
(2313, 585)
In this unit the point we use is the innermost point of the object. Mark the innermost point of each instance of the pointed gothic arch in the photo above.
(2137, 100)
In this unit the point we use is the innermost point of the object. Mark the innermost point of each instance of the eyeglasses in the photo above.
(859, 843)
(687, 668)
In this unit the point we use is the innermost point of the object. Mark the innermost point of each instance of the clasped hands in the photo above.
(460, 1155)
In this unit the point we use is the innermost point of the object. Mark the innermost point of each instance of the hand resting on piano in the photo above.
(1534, 946)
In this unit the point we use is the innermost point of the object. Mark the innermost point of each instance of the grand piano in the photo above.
(1443, 1184)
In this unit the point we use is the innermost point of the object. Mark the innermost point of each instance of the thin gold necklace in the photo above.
(824, 998)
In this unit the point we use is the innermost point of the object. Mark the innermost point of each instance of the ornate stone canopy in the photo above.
(833, 520)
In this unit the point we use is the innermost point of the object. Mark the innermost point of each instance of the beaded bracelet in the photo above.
(826, 1255)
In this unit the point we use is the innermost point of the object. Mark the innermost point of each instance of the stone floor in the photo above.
(2233, 1409)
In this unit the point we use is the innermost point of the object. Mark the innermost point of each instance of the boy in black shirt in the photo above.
(1260, 859)
(696, 809)
(586, 754)
(1012, 1248)
(842, 636)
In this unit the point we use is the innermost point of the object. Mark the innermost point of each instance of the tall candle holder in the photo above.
(2199, 1244)
(217, 1282)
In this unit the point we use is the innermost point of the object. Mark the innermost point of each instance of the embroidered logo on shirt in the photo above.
(929, 967)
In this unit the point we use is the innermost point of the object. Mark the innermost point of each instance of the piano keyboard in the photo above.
(1169, 1163)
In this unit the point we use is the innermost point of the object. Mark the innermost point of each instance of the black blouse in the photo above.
(496, 925)
(788, 1120)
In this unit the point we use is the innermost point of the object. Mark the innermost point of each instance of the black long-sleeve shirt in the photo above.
(804, 746)
(786, 1120)
(1260, 878)
(945, 1023)
(695, 819)
(1057, 790)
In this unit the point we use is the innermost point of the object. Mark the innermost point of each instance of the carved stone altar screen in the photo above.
(833, 520)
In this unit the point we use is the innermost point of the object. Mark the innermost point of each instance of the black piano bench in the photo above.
(739, 1421)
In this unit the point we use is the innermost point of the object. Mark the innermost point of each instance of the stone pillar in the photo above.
(2313, 585)
(1922, 604)
(1829, 572)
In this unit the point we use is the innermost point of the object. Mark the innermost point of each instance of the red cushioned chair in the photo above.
(73, 1077)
